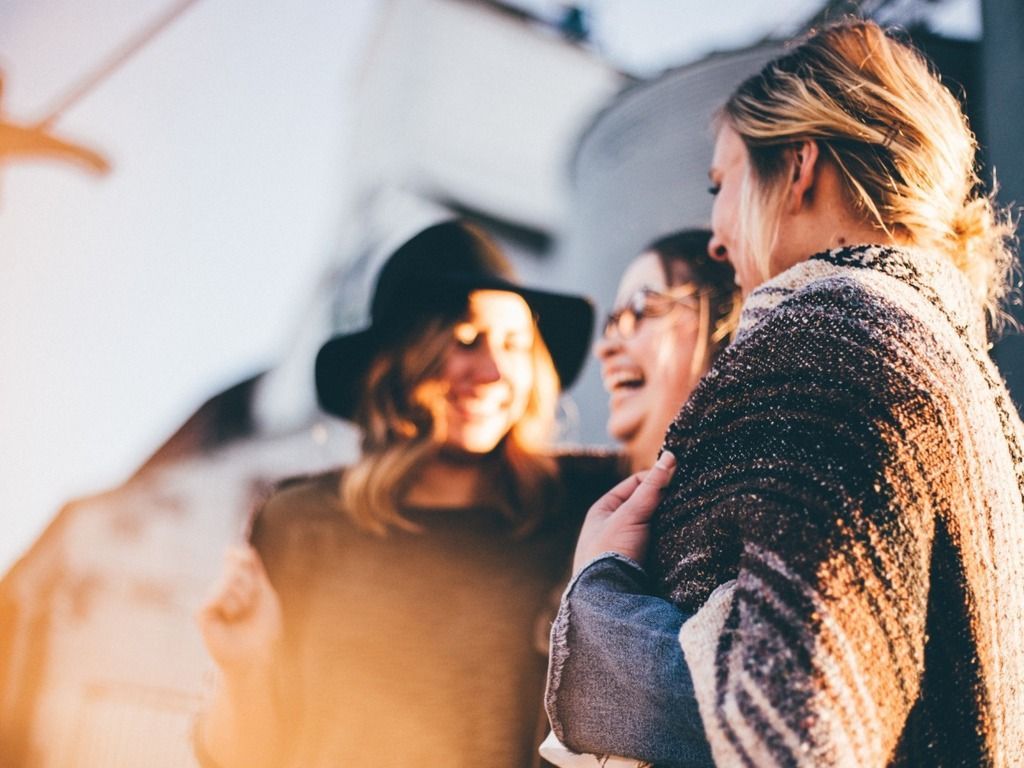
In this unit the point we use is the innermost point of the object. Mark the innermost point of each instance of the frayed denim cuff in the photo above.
(607, 564)
(617, 680)
(560, 628)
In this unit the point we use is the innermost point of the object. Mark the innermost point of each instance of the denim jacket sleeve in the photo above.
(617, 680)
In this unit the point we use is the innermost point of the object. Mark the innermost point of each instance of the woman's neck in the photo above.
(823, 221)
(448, 481)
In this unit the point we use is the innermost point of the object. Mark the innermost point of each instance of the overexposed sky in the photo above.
(127, 300)
(644, 37)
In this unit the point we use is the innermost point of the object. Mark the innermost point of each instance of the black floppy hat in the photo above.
(432, 275)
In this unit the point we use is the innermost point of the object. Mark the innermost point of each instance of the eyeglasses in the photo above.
(650, 303)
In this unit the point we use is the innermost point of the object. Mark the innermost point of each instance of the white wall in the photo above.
(127, 300)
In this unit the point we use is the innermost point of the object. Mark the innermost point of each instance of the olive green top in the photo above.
(416, 649)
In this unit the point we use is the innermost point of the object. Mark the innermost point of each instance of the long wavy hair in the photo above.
(400, 435)
(897, 136)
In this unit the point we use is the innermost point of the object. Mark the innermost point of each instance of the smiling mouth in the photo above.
(478, 409)
(620, 381)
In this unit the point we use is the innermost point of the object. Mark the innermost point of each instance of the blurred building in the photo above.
(1001, 88)
(639, 172)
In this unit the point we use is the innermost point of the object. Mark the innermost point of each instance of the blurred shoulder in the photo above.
(300, 532)
(299, 506)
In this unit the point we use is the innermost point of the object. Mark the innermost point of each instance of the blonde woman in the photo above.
(844, 522)
(386, 614)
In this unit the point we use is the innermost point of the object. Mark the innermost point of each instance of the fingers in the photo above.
(614, 498)
(239, 586)
(641, 490)
(645, 498)
(618, 521)
(659, 475)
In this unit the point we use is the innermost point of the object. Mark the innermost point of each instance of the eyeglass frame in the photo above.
(673, 297)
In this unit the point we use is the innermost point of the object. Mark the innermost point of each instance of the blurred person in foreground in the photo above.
(836, 574)
(386, 613)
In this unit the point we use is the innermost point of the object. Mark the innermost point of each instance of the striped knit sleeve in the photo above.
(807, 468)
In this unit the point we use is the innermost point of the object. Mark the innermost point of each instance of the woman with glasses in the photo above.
(674, 311)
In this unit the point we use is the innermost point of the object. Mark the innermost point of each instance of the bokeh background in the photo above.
(158, 321)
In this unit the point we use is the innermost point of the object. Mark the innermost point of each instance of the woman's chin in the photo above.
(470, 445)
(623, 428)
(460, 454)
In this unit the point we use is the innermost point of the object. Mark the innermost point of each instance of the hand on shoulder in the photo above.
(241, 620)
(620, 520)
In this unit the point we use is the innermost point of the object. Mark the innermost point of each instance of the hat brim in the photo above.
(565, 322)
(341, 365)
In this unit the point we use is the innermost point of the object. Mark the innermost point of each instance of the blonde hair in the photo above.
(897, 136)
(400, 434)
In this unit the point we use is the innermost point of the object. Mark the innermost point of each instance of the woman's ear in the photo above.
(805, 172)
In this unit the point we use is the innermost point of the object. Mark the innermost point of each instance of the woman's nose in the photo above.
(485, 366)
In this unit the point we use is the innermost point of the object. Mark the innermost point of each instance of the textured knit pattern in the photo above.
(855, 463)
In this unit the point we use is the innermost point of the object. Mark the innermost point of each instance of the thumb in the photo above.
(659, 475)
(644, 500)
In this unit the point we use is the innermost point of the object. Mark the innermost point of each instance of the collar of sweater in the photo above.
(880, 269)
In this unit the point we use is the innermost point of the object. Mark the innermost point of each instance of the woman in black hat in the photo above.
(388, 614)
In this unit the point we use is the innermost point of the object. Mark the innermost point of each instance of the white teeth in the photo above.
(623, 378)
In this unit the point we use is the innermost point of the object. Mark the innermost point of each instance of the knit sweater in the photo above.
(854, 463)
